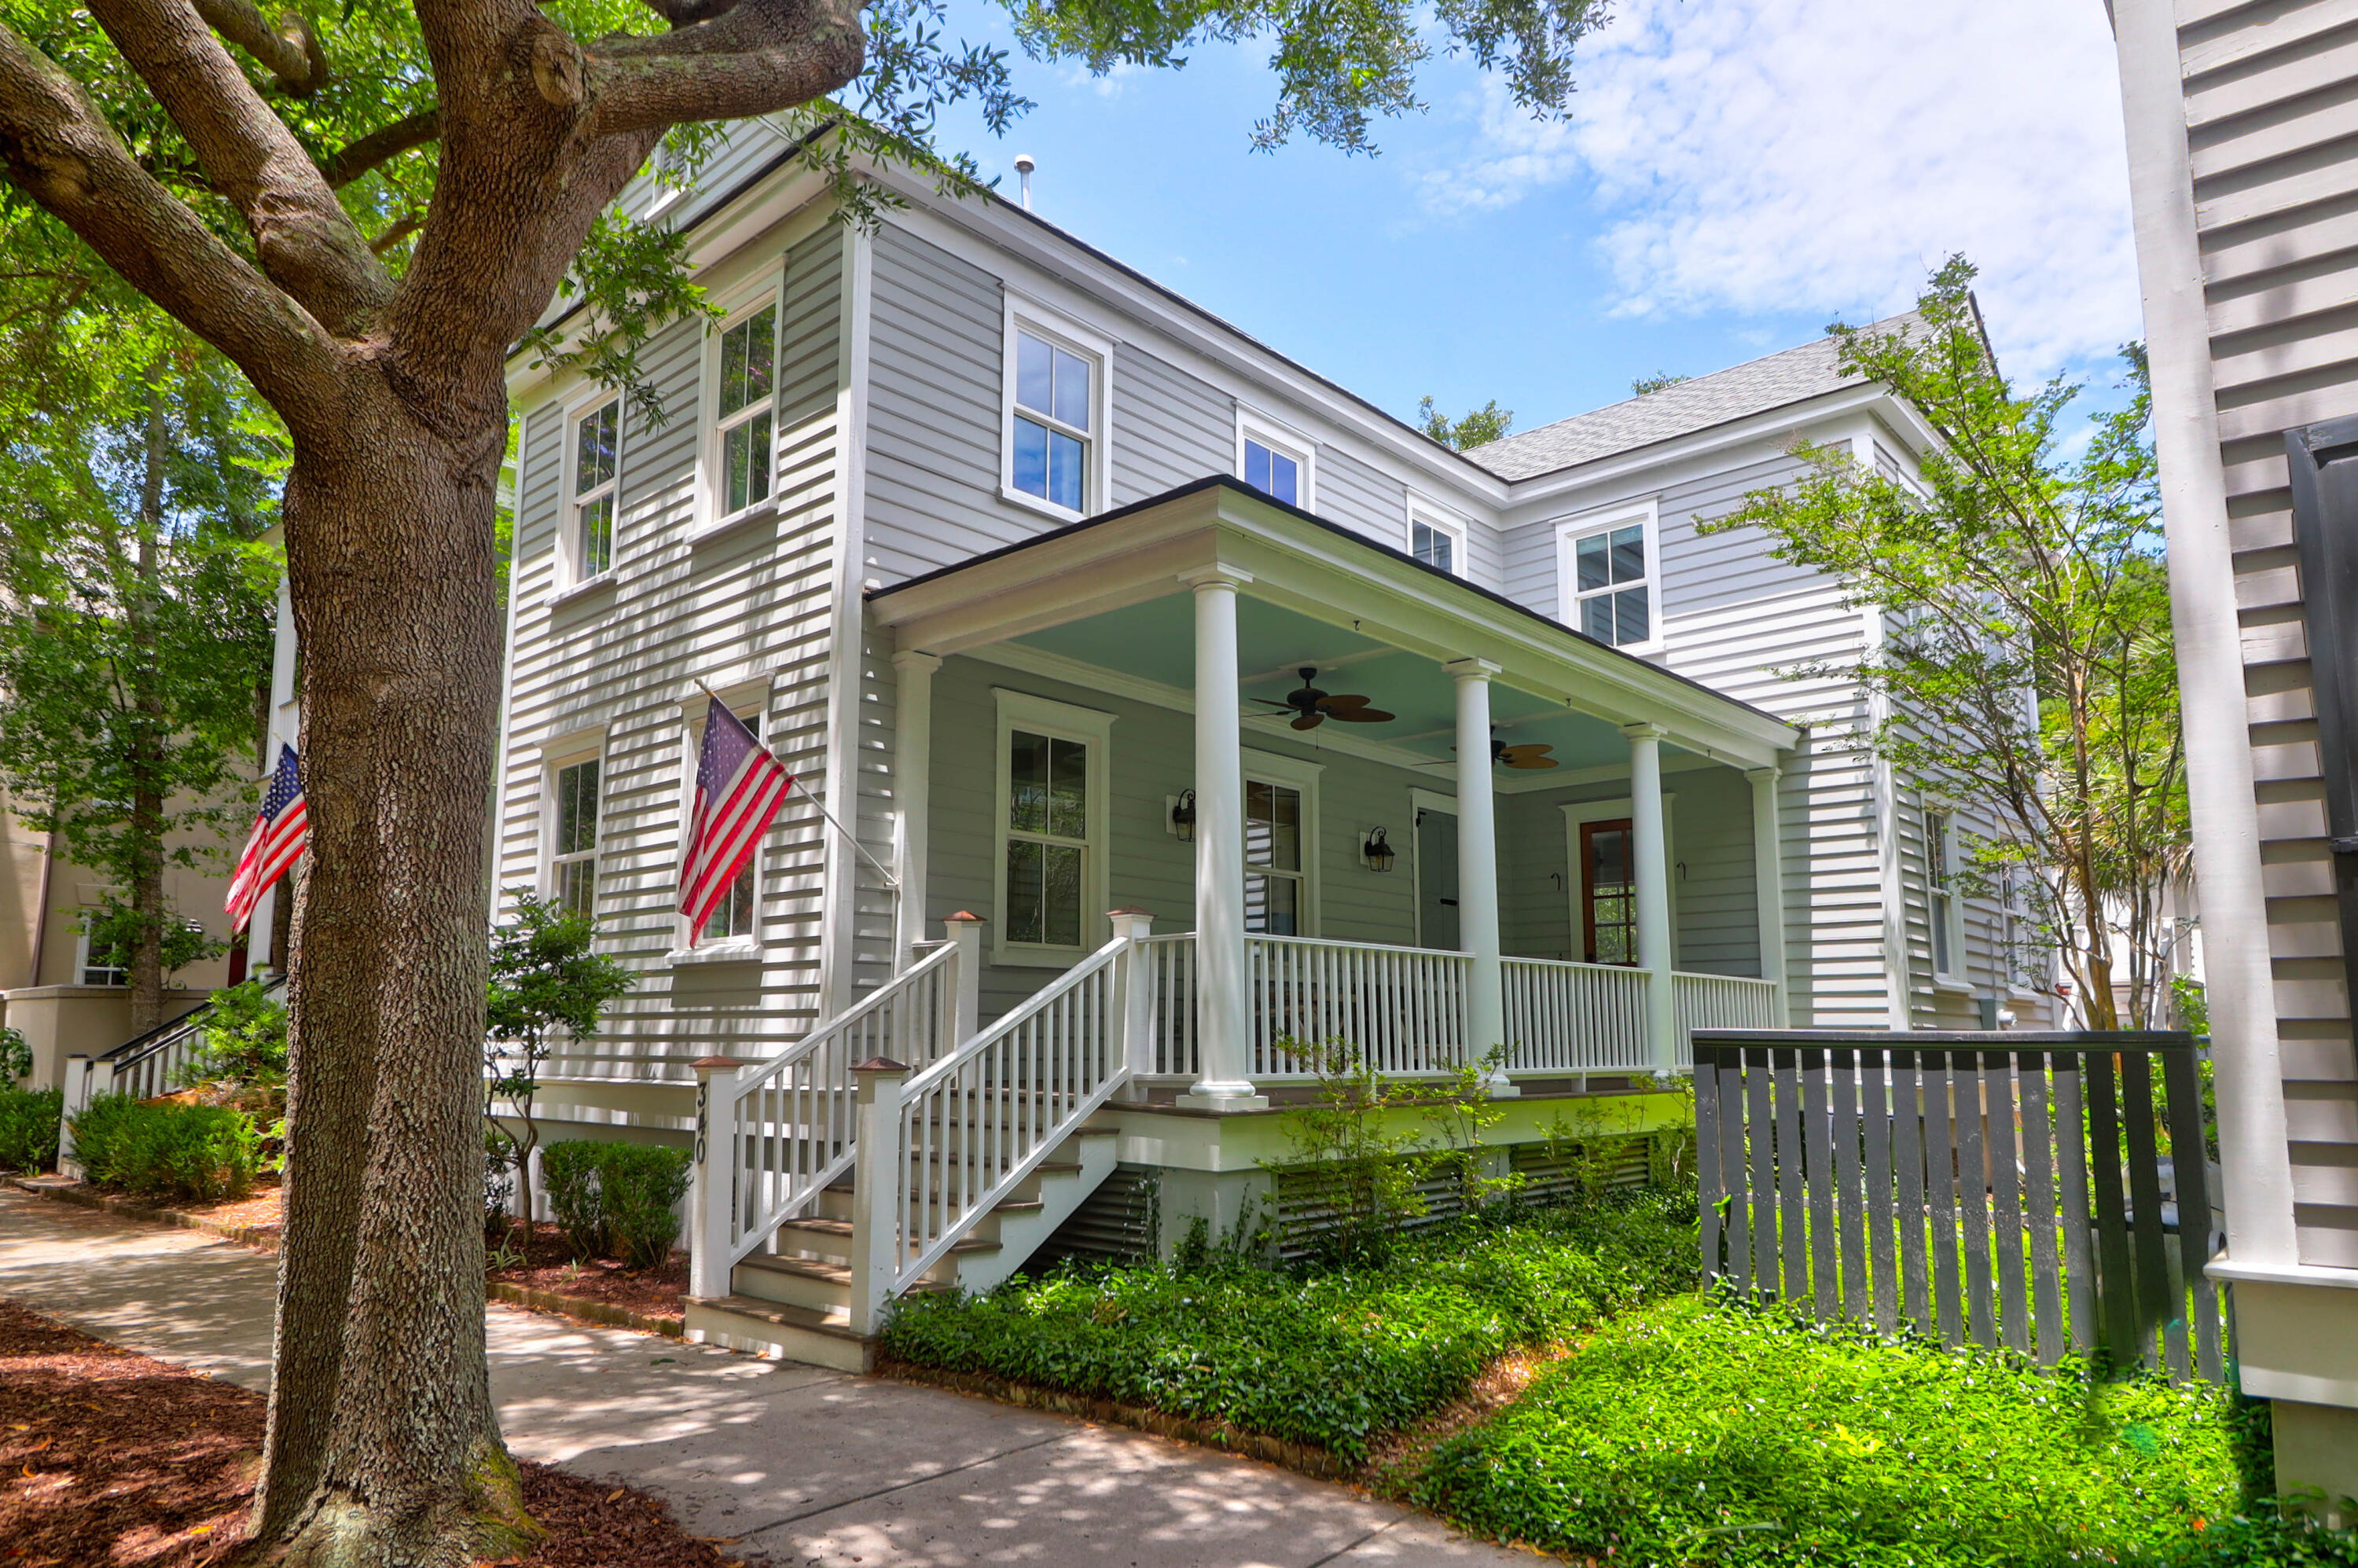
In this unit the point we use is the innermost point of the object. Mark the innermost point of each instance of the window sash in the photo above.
(1051, 420)
(1612, 589)
(1608, 891)
(1435, 546)
(733, 915)
(1938, 877)
(596, 464)
(745, 414)
(1273, 470)
(1047, 834)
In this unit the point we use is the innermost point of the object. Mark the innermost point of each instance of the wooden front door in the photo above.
(1608, 892)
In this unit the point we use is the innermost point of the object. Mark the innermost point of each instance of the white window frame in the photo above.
(2013, 958)
(1578, 814)
(1425, 513)
(569, 752)
(82, 964)
(1570, 531)
(1024, 315)
(569, 503)
(749, 702)
(711, 482)
(1252, 425)
(1303, 777)
(1945, 908)
(1062, 721)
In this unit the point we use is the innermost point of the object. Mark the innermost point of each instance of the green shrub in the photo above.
(1697, 1431)
(1332, 1355)
(160, 1149)
(16, 1057)
(616, 1199)
(2263, 1536)
(570, 1173)
(243, 1040)
(29, 1127)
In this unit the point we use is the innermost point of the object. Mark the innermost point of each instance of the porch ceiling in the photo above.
(1154, 640)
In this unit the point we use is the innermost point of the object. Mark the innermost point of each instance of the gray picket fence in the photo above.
(2009, 1189)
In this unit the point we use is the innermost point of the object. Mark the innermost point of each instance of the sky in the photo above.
(1732, 176)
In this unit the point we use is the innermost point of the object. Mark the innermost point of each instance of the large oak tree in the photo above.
(366, 207)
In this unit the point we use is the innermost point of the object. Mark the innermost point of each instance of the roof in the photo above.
(1795, 375)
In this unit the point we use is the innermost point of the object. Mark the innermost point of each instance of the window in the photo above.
(573, 861)
(596, 441)
(1608, 892)
(1435, 544)
(1277, 460)
(1940, 875)
(733, 915)
(1050, 433)
(1275, 894)
(1273, 473)
(2012, 961)
(1614, 603)
(732, 925)
(743, 413)
(94, 969)
(1049, 876)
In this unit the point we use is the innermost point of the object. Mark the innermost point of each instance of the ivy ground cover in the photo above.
(1332, 1358)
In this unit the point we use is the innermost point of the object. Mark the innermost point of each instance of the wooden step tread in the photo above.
(813, 1320)
(825, 1273)
(841, 1230)
(1050, 1167)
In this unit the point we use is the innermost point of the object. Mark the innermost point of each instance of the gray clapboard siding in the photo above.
(1168, 427)
(1355, 496)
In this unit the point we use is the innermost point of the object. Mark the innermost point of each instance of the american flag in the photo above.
(739, 788)
(280, 830)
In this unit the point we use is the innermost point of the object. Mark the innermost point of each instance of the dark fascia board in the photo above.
(1236, 486)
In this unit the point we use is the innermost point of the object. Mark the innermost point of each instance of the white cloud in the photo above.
(1759, 157)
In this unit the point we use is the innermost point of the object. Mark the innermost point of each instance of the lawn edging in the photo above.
(265, 1239)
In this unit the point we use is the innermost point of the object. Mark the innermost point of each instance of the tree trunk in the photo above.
(383, 1446)
(147, 737)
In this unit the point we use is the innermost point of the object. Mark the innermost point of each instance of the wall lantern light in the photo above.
(1182, 816)
(1377, 851)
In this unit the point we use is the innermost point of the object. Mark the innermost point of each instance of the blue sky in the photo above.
(1734, 174)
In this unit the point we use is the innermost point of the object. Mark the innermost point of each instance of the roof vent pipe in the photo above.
(1024, 165)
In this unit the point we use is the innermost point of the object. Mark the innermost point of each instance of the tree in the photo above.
(1646, 385)
(365, 208)
(2029, 666)
(1478, 429)
(545, 977)
(135, 609)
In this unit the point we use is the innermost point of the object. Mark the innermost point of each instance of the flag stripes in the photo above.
(739, 788)
(282, 829)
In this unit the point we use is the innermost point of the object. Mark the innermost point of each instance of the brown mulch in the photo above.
(1398, 1461)
(108, 1458)
(257, 1214)
(550, 1265)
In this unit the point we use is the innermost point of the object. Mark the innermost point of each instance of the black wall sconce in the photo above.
(1182, 816)
(1378, 852)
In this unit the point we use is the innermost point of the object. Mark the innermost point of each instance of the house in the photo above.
(2243, 182)
(1208, 708)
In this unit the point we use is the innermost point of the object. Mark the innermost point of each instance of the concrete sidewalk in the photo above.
(805, 1466)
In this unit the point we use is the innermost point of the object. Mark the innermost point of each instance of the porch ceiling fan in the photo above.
(1311, 708)
(1534, 755)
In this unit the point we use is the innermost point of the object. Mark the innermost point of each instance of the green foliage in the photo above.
(2191, 1003)
(1645, 385)
(161, 1149)
(114, 929)
(28, 1128)
(243, 1040)
(1699, 1431)
(2264, 1534)
(1478, 429)
(544, 978)
(1332, 1356)
(15, 1056)
(616, 1199)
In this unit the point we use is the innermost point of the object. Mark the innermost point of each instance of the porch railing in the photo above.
(1576, 1017)
(1722, 1002)
(1404, 1007)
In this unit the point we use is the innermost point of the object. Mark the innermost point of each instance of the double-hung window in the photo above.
(100, 966)
(1273, 470)
(1612, 591)
(745, 418)
(597, 438)
(2012, 961)
(1941, 883)
(1276, 897)
(732, 919)
(1048, 838)
(573, 860)
(1050, 433)
(1435, 543)
(1275, 459)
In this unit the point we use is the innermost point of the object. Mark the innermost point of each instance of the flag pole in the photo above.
(796, 782)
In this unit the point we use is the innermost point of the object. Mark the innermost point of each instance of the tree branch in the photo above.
(57, 147)
(289, 52)
(382, 145)
(307, 242)
(757, 57)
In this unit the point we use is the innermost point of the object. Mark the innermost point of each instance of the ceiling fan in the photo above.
(1311, 708)
(1532, 755)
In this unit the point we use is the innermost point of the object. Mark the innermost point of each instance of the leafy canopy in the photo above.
(1477, 428)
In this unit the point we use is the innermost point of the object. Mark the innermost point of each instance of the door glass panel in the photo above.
(1608, 892)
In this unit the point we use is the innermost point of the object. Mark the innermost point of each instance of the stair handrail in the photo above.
(754, 1172)
(1073, 1036)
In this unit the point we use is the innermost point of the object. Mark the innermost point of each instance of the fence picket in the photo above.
(2039, 1202)
(1818, 1177)
(1793, 1230)
(1729, 1086)
(2156, 1307)
(2072, 1199)
(1941, 1182)
(1843, 1068)
(1764, 1171)
(2189, 1164)
(1968, 1102)
(2116, 1290)
(1908, 1155)
(1883, 1274)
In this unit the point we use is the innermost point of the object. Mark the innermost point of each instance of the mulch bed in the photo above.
(109, 1458)
(548, 1265)
(258, 1215)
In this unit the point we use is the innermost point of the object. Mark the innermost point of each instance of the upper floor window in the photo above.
(1610, 570)
(744, 414)
(1274, 471)
(1435, 543)
(1274, 459)
(596, 443)
(1941, 883)
(573, 858)
(1051, 436)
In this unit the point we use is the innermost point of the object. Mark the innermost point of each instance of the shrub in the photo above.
(242, 1041)
(1697, 1431)
(162, 1150)
(29, 1127)
(2263, 1536)
(616, 1199)
(16, 1057)
(569, 1173)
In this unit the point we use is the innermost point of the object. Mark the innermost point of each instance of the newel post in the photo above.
(712, 1187)
(878, 1165)
(966, 1021)
(77, 1085)
(1133, 1007)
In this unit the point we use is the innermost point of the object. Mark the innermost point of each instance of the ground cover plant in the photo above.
(1335, 1356)
(1706, 1431)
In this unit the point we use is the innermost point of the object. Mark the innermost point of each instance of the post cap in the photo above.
(717, 1064)
(879, 1065)
(1117, 913)
(963, 915)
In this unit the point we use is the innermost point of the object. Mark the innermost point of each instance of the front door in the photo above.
(1436, 879)
(1608, 892)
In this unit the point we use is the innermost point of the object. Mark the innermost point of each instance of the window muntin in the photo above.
(1047, 835)
(1939, 847)
(1275, 893)
(1608, 891)
(597, 438)
(94, 970)
(1274, 471)
(573, 858)
(744, 411)
(733, 915)
(1433, 545)
(1613, 600)
(1050, 433)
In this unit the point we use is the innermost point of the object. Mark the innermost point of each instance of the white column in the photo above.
(913, 762)
(1223, 1008)
(1768, 879)
(1655, 954)
(1478, 859)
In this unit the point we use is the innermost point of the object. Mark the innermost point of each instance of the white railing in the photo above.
(1404, 1007)
(772, 1137)
(1575, 1018)
(1722, 1002)
(1168, 965)
(940, 1149)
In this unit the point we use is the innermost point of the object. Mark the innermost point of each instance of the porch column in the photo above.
(913, 764)
(1477, 859)
(1655, 954)
(1223, 1007)
(1769, 876)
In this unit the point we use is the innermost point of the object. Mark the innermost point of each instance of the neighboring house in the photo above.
(1016, 556)
(2244, 182)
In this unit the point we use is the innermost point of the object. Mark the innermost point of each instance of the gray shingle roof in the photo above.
(1754, 387)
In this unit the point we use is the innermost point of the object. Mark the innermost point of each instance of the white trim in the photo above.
(570, 751)
(1285, 441)
(1059, 720)
(766, 292)
(1302, 776)
(570, 580)
(1440, 520)
(1024, 314)
(1645, 510)
(847, 662)
(1940, 883)
(1578, 814)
